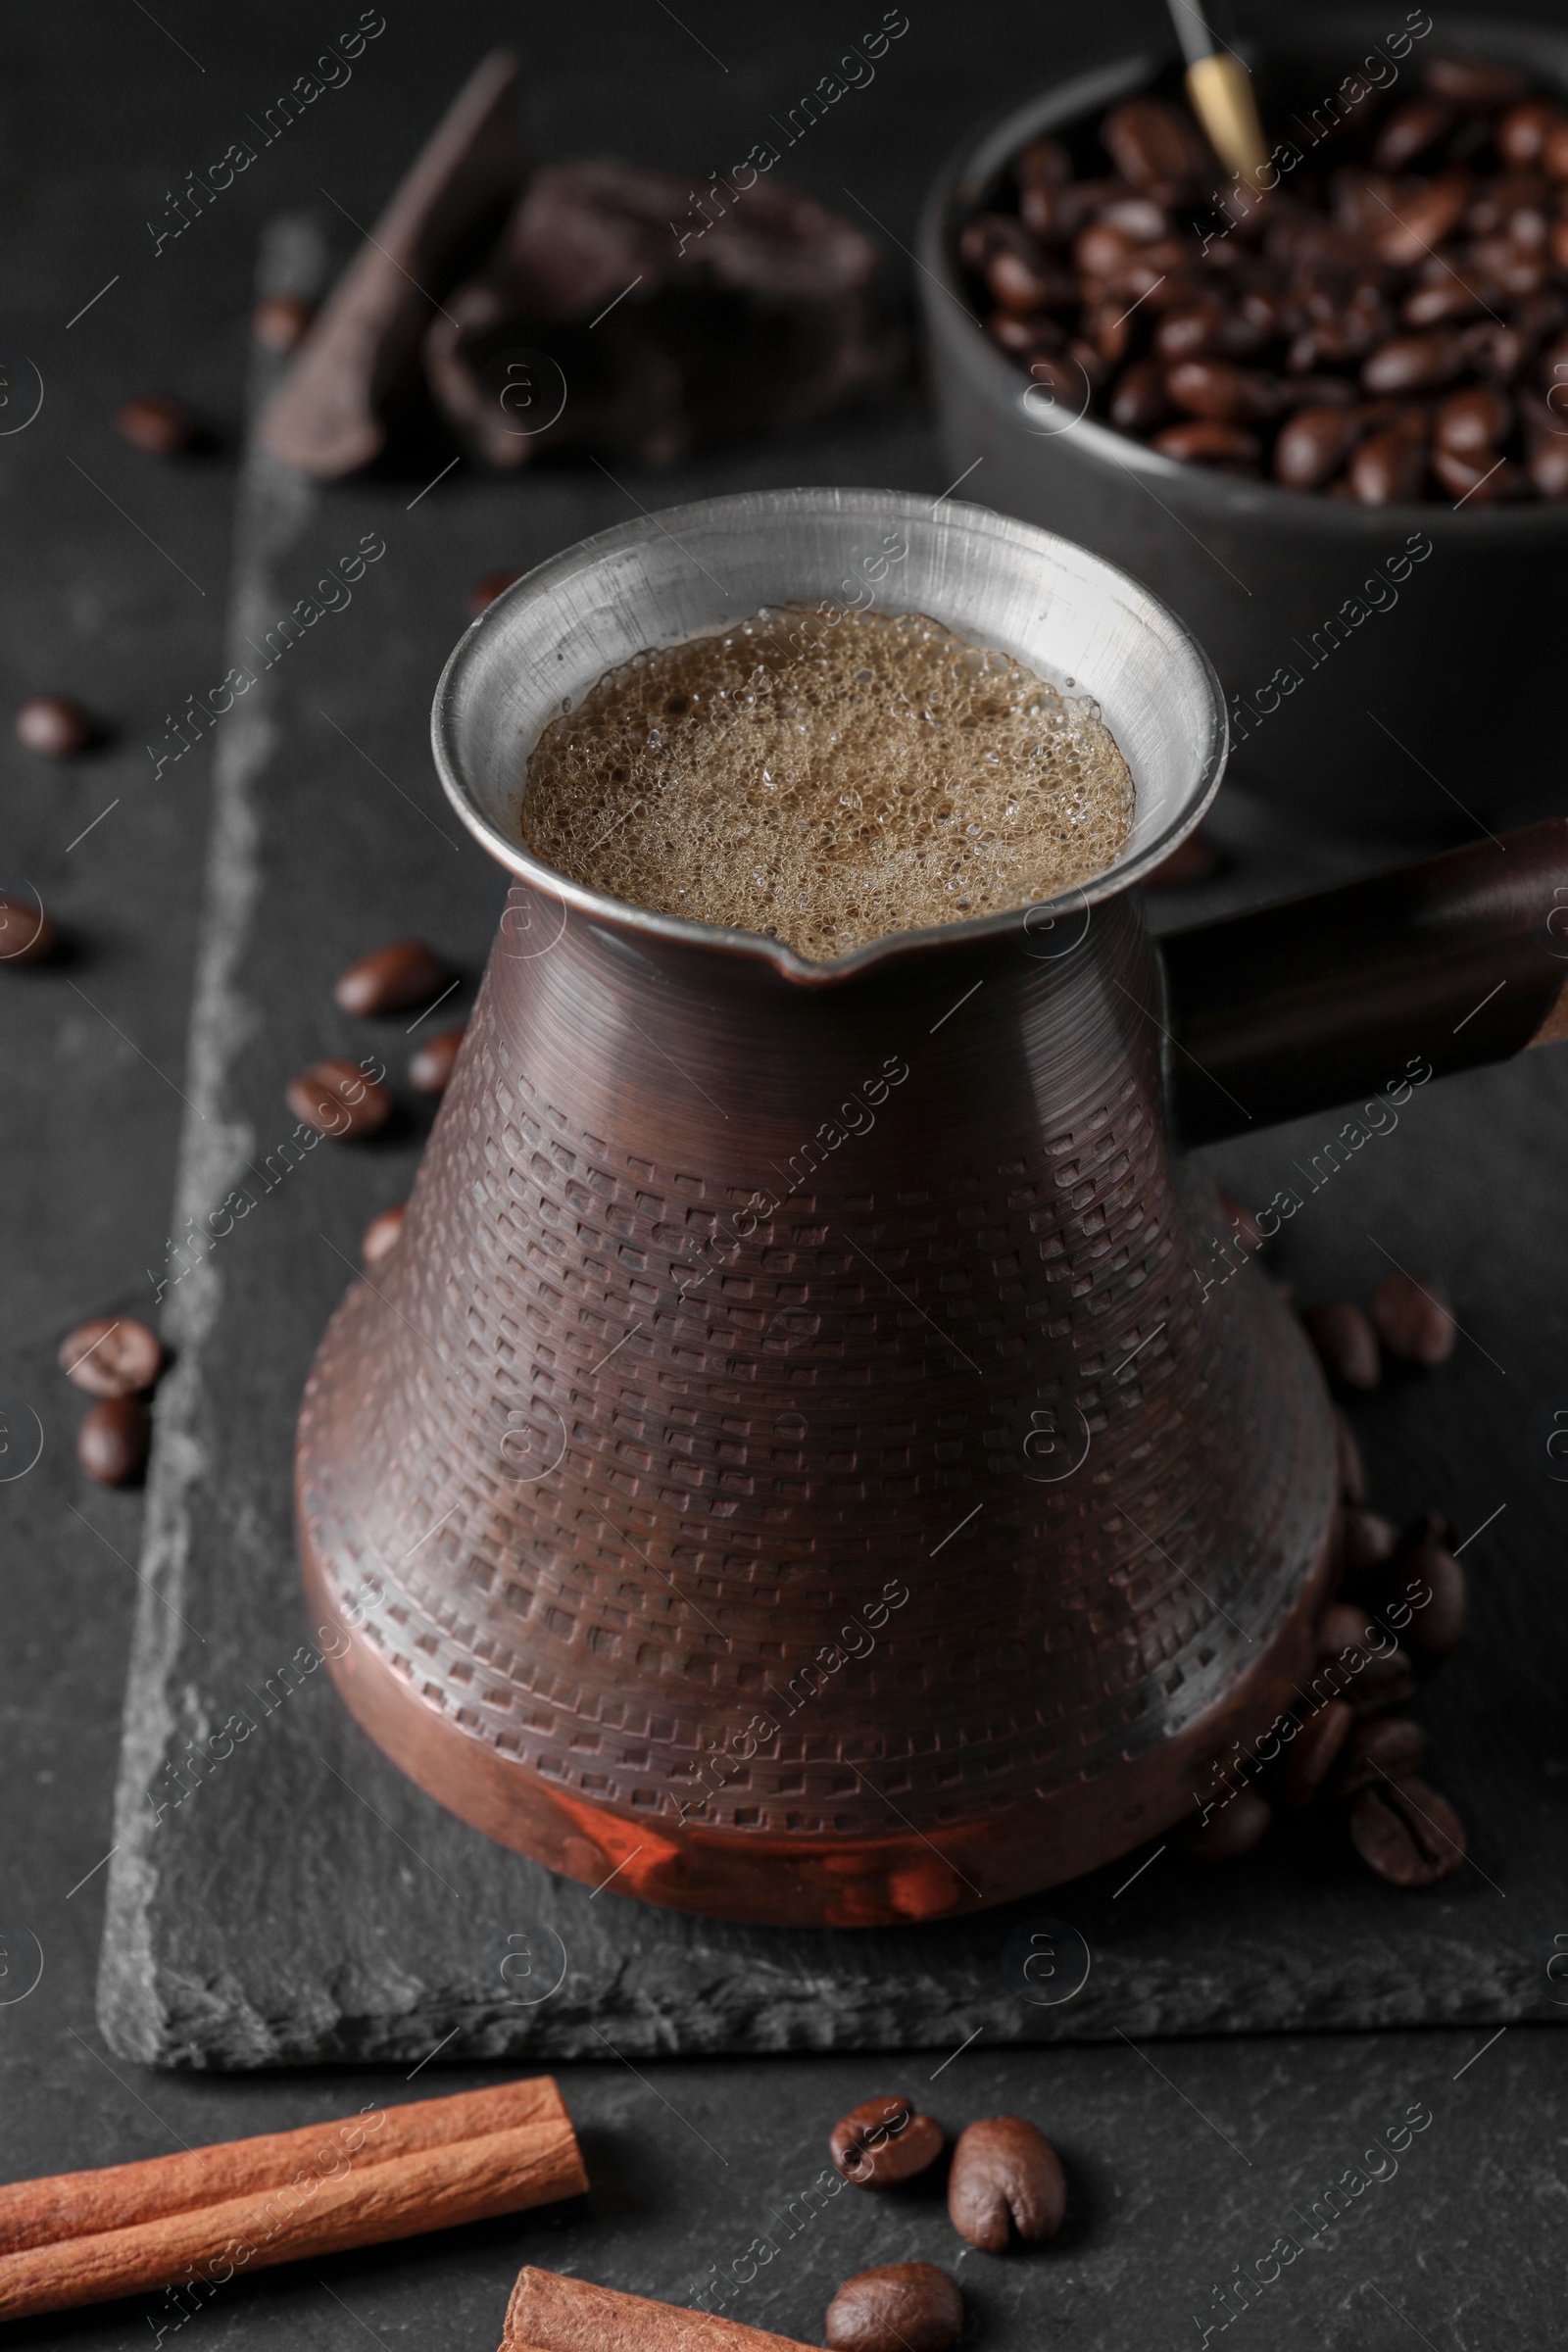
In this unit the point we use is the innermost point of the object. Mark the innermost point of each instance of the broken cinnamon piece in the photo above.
(550, 2313)
(329, 415)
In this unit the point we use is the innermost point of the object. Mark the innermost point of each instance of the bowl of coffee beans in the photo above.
(1324, 418)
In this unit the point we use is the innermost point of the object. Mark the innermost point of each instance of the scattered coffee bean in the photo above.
(1006, 2178)
(1407, 1832)
(113, 1355)
(391, 979)
(1307, 1762)
(54, 727)
(907, 2307)
(1369, 1540)
(336, 1099)
(380, 1236)
(430, 1070)
(1352, 1471)
(1345, 1342)
(1387, 1747)
(27, 935)
(112, 1441)
(281, 322)
(1231, 1831)
(1436, 1624)
(484, 592)
(162, 426)
(883, 2142)
(1413, 1320)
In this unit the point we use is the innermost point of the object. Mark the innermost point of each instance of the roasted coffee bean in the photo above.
(1481, 82)
(1109, 330)
(336, 1099)
(391, 979)
(1352, 1471)
(883, 2143)
(1388, 468)
(430, 1070)
(1407, 1832)
(1140, 400)
(1477, 481)
(1195, 859)
(380, 1236)
(1368, 1540)
(112, 1441)
(1043, 163)
(281, 322)
(1017, 272)
(56, 728)
(1313, 445)
(1436, 1623)
(1413, 364)
(162, 426)
(1208, 442)
(1311, 1756)
(1343, 1625)
(1006, 2178)
(1413, 1320)
(907, 2307)
(1190, 330)
(1062, 385)
(26, 934)
(1026, 331)
(1232, 1828)
(487, 589)
(1345, 1342)
(1554, 151)
(113, 1355)
(1054, 214)
(1415, 218)
(1409, 130)
(1388, 1748)
(1547, 440)
(1156, 144)
(1101, 251)
(1473, 421)
(1215, 388)
(1522, 134)
(1437, 303)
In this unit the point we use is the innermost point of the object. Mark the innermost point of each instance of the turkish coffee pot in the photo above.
(798, 1460)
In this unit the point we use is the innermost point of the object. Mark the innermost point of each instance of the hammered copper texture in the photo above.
(628, 1477)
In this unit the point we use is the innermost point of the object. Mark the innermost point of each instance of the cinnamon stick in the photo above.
(549, 2313)
(213, 2213)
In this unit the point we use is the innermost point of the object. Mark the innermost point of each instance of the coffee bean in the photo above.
(430, 1070)
(1043, 163)
(1017, 272)
(1313, 445)
(907, 2307)
(162, 426)
(1546, 439)
(1060, 384)
(883, 2143)
(336, 1099)
(1231, 1831)
(1346, 1626)
(1156, 144)
(281, 321)
(27, 935)
(1436, 1624)
(1389, 469)
(1345, 1342)
(391, 979)
(380, 1236)
(1190, 330)
(1472, 421)
(1006, 2178)
(1476, 481)
(1412, 1319)
(1352, 1471)
(1409, 130)
(1140, 400)
(113, 1355)
(1417, 219)
(112, 1441)
(1407, 1832)
(1475, 81)
(1523, 131)
(1436, 305)
(1109, 331)
(1216, 388)
(1307, 1763)
(1412, 363)
(1368, 1540)
(1026, 331)
(1206, 441)
(1554, 152)
(56, 728)
(1388, 1748)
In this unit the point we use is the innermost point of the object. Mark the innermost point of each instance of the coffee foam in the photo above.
(824, 781)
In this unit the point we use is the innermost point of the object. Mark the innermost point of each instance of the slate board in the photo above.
(300, 1900)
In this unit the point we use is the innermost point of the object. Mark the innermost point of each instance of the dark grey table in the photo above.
(1188, 2159)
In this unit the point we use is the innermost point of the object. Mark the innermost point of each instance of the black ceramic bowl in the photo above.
(1441, 710)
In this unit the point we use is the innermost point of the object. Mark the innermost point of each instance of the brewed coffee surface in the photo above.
(824, 781)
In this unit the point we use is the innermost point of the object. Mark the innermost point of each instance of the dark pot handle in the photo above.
(1439, 966)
